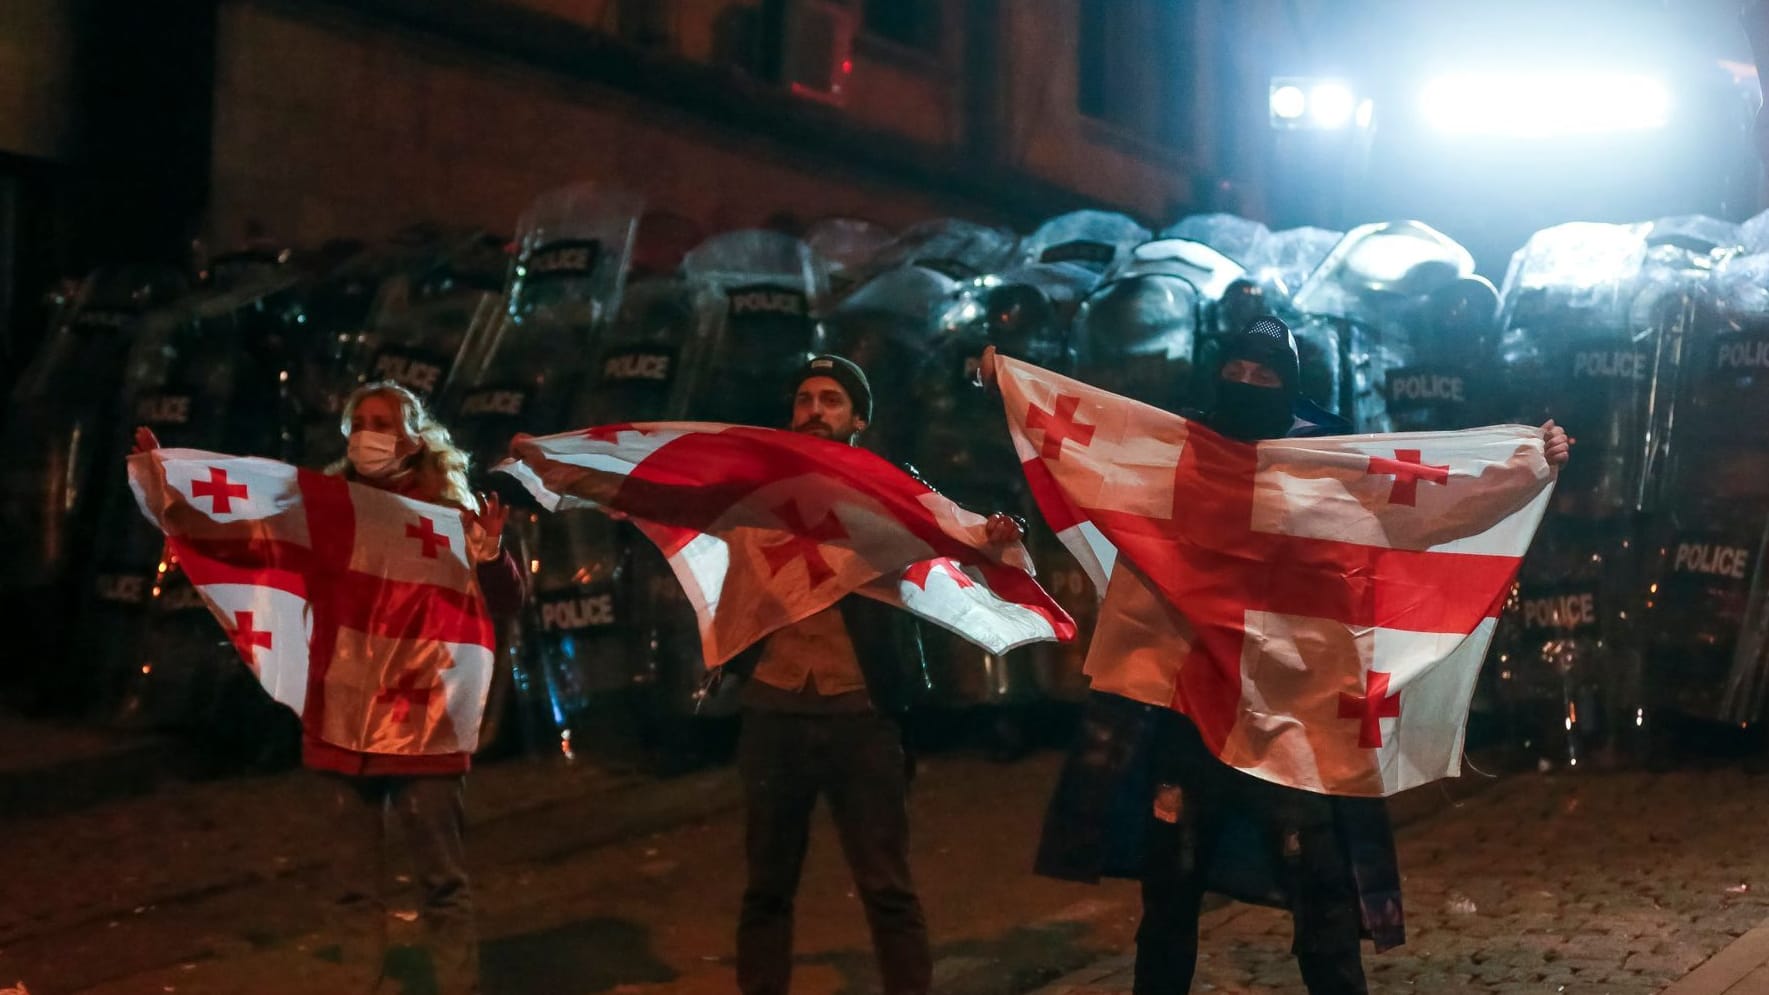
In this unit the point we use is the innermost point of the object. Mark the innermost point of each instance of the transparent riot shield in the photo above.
(917, 331)
(421, 324)
(337, 342)
(1022, 320)
(770, 287)
(1092, 240)
(886, 326)
(1704, 586)
(521, 372)
(1449, 384)
(1564, 682)
(665, 326)
(962, 250)
(1369, 289)
(1240, 239)
(1139, 333)
(1566, 346)
(848, 247)
(211, 372)
(1281, 263)
(58, 446)
(1595, 319)
(573, 248)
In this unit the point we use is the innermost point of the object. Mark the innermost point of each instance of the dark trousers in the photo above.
(1325, 910)
(431, 814)
(856, 761)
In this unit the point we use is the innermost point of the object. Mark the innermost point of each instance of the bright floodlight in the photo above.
(1331, 105)
(1544, 105)
(1288, 102)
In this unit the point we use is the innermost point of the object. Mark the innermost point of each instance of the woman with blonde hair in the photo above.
(395, 445)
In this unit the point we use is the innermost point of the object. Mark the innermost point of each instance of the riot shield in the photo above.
(1369, 290)
(1594, 322)
(769, 287)
(211, 372)
(1566, 345)
(1092, 240)
(847, 247)
(520, 372)
(1449, 383)
(573, 247)
(58, 445)
(961, 443)
(1564, 685)
(1704, 589)
(664, 327)
(962, 250)
(422, 323)
(1280, 263)
(886, 326)
(1240, 239)
(917, 327)
(1139, 333)
(337, 342)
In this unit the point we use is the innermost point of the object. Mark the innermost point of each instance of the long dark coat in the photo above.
(1100, 814)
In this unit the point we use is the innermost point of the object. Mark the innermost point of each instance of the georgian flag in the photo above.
(1320, 608)
(765, 527)
(357, 608)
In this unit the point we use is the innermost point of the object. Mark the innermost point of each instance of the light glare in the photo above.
(1288, 102)
(1545, 105)
(1331, 105)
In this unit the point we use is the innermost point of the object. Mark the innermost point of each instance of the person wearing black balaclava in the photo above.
(1330, 860)
(1256, 387)
(1143, 797)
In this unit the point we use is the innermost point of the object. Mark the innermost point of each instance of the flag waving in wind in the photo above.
(357, 608)
(765, 527)
(1319, 608)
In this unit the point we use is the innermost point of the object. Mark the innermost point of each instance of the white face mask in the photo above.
(373, 454)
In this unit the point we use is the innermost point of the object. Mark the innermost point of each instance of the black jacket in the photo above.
(887, 642)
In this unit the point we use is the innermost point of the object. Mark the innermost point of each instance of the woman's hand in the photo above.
(494, 515)
(1556, 445)
(145, 442)
(1002, 530)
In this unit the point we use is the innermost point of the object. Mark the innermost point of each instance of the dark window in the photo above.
(1136, 62)
(911, 23)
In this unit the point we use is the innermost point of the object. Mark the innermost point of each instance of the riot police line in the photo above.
(1643, 600)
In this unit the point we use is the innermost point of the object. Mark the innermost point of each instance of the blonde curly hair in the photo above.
(440, 466)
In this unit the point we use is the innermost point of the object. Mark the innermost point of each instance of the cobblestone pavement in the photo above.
(582, 887)
(1610, 883)
(1617, 883)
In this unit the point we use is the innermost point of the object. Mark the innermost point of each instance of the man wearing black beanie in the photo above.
(822, 700)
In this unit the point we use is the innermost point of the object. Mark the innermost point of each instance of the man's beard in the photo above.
(815, 427)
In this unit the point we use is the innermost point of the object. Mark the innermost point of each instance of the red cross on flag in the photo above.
(355, 607)
(1320, 608)
(765, 527)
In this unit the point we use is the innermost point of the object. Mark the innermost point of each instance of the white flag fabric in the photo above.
(766, 527)
(1320, 608)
